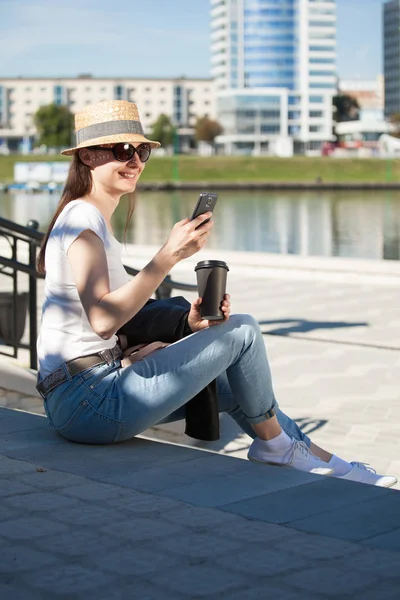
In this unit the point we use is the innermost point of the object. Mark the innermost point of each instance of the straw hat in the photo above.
(108, 122)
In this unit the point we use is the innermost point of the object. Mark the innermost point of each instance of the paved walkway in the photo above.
(332, 331)
(173, 522)
(153, 520)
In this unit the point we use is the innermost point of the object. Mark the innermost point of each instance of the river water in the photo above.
(358, 224)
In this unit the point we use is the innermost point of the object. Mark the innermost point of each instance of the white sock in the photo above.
(339, 466)
(279, 444)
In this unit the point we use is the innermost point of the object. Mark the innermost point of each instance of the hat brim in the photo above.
(130, 138)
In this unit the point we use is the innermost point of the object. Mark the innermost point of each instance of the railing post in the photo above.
(14, 302)
(32, 301)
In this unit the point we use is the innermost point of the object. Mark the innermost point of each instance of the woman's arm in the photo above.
(107, 311)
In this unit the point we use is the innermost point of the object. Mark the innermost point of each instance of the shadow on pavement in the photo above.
(296, 325)
(308, 425)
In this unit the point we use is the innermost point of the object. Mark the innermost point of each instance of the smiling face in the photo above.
(114, 176)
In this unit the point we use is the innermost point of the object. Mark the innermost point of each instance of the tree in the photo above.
(395, 121)
(163, 131)
(346, 108)
(54, 125)
(207, 130)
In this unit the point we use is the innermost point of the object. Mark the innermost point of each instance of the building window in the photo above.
(58, 94)
(321, 73)
(294, 129)
(330, 86)
(119, 92)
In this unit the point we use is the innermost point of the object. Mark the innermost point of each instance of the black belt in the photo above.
(75, 366)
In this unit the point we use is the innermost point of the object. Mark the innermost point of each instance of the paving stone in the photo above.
(10, 487)
(68, 579)
(103, 462)
(78, 542)
(200, 580)
(222, 490)
(318, 547)
(384, 564)
(18, 558)
(363, 520)
(7, 513)
(200, 545)
(262, 560)
(9, 423)
(50, 480)
(195, 516)
(90, 515)
(386, 541)
(157, 479)
(384, 590)
(94, 491)
(256, 532)
(26, 528)
(24, 444)
(266, 590)
(10, 466)
(136, 560)
(139, 528)
(329, 581)
(40, 502)
(305, 500)
(17, 591)
(138, 589)
(142, 503)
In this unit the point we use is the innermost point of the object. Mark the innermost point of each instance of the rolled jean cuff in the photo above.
(264, 417)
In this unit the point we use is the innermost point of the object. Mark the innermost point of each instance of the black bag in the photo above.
(166, 321)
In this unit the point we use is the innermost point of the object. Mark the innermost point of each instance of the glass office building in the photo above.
(281, 49)
(391, 56)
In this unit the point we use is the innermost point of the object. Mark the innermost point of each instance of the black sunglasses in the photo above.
(124, 152)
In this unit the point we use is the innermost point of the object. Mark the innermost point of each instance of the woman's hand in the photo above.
(196, 323)
(185, 240)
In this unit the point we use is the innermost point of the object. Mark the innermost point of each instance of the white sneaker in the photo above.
(298, 456)
(365, 474)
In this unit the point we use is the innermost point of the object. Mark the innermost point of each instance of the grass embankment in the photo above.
(247, 169)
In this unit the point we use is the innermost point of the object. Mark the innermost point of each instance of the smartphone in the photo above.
(205, 203)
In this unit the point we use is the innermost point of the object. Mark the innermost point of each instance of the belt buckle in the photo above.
(107, 355)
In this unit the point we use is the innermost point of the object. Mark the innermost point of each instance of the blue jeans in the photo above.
(107, 403)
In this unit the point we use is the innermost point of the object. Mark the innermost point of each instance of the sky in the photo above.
(150, 38)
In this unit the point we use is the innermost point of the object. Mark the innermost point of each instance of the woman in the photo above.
(89, 395)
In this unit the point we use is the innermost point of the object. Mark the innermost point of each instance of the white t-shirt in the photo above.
(65, 330)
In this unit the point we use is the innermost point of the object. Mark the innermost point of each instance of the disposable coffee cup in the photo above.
(211, 285)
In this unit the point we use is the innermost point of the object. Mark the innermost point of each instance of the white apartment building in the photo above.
(370, 95)
(183, 100)
(274, 65)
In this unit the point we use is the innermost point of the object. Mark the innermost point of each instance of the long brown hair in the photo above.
(77, 185)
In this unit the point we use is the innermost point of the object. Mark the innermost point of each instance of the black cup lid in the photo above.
(207, 264)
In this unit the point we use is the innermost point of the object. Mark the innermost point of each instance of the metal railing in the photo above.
(15, 305)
